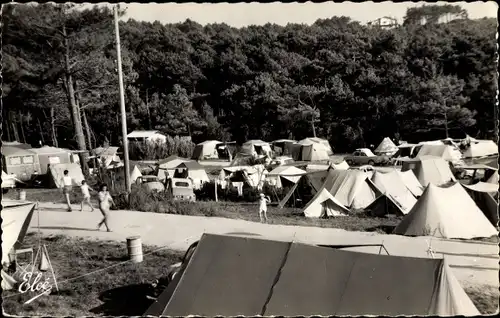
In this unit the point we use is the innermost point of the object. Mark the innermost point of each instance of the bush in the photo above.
(157, 150)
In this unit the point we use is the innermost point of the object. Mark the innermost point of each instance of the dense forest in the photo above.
(337, 79)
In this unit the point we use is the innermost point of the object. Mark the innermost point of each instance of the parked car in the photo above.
(182, 189)
(364, 156)
(151, 183)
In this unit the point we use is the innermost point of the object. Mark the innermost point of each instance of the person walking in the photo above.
(67, 182)
(86, 195)
(104, 204)
(263, 201)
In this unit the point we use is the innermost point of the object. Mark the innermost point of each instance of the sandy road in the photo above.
(472, 262)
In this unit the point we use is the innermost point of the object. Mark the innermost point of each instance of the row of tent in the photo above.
(440, 207)
(308, 149)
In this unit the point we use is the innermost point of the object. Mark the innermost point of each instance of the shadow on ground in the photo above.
(124, 301)
(67, 228)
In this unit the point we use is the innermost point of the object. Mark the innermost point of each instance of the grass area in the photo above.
(121, 290)
(117, 291)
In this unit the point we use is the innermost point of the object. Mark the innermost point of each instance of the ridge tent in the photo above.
(385, 205)
(16, 218)
(284, 174)
(282, 146)
(429, 169)
(447, 152)
(211, 149)
(411, 182)
(21, 162)
(493, 178)
(481, 148)
(486, 197)
(292, 279)
(136, 173)
(446, 212)
(51, 155)
(323, 204)
(386, 147)
(194, 171)
(352, 188)
(312, 140)
(56, 172)
(392, 186)
(341, 165)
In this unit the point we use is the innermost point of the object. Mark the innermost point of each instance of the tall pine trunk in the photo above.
(53, 127)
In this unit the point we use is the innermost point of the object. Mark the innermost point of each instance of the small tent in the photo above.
(56, 173)
(211, 149)
(16, 218)
(486, 197)
(352, 188)
(429, 169)
(446, 212)
(169, 164)
(392, 186)
(481, 148)
(283, 175)
(108, 157)
(194, 171)
(386, 147)
(293, 279)
(323, 204)
(256, 148)
(136, 173)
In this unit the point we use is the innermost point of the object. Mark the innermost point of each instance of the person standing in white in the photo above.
(263, 201)
(105, 200)
(67, 182)
(86, 195)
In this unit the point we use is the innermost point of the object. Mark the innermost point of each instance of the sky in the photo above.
(244, 14)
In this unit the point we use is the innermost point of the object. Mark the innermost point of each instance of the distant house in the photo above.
(384, 22)
(147, 136)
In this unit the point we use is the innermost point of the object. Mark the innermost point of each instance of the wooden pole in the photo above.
(216, 199)
(122, 105)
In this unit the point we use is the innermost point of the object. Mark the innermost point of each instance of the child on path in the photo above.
(104, 204)
(67, 182)
(86, 195)
(263, 207)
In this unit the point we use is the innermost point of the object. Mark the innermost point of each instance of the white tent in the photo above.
(386, 147)
(289, 173)
(447, 152)
(446, 212)
(481, 148)
(194, 171)
(324, 205)
(207, 150)
(411, 182)
(136, 173)
(391, 185)
(256, 148)
(16, 218)
(340, 166)
(493, 178)
(169, 164)
(486, 197)
(108, 157)
(429, 169)
(352, 188)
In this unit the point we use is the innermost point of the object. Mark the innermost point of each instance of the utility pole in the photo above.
(122, 105)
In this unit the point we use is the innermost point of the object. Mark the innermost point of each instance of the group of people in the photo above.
(105, 199)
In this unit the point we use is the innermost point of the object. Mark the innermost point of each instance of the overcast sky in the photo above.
(244, 14)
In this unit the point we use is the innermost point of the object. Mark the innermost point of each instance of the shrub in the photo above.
(158, 150)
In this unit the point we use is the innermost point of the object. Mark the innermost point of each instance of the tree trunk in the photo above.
(75, 114)
(313, 127)
(53, 127)
(446, 124)
(22, 126)
(147, 109)
(41, 130)
(14, 127)
(87, 129)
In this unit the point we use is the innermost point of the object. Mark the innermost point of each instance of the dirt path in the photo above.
(473, 262)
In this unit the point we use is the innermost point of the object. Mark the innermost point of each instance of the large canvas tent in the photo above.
(447, 152)
(256, 148)
(323, 204)
(386, 147)
(169, 164)
(411, 182)
(392, 186)
(51, 155)
(16, 218)
(446, 212)
(211, 149)
(282, 146)
(429, 169)
(223, 278)
(56, 173)
(21, 162)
